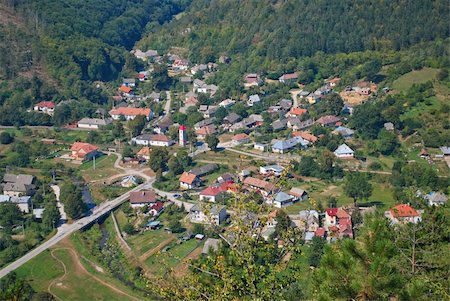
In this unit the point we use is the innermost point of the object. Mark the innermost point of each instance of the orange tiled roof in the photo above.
(187, 177)
(404, 210)
(127, 111)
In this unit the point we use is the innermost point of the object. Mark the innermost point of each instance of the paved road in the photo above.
(67, 230)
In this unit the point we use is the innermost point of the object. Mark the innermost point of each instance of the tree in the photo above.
(51, 216)
(117, 130)
(175, 226)
(128, 229)
(357, 186)
(212, 142)
(333, 104)
(137, 125)
(160, 77)
(15, 289)
(158, 159)
(43, 296)
(220, 114)
(307, 166)
(388, 142)
(127, 152)
(283, 222)
(10, 215)
(73, 201)
(175, 166)
(6, 138)
(316, 251)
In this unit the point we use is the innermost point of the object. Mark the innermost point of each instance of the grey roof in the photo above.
(279, 124)
(203, 170)
(21, 178)
(14, 199)
(436, 198)
(344, 131)
(185, 79)
(275, 168)
(199, 82)
(232, 118)
(343, 149)
(155, 95)
(129, 81)
(95, 121)
(211, 244)
(289, 143)
(389, 126)
(445, 150)
(282, 197)
(215, 209)
(254, 98)
(204, 122)
(286, 104)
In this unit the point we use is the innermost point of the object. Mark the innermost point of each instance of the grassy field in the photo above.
(141, 243)
(160, 262)
(46, 272)
(404, 82)
(104, 168)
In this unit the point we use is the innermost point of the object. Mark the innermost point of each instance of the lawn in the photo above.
(104, 168)
(76, 285)
(160, 262)
(141, 243)
(40, 271)
(421, 108)
(405, 82)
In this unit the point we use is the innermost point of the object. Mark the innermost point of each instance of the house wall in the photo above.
(88, 126)
(14, 193)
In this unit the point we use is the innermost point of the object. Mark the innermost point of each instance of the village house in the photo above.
(345, 132)
(328, 121)
(126, 91)
(253, 99)
(145, 55)
(296, 112)
(205, 131)
(142, 198)
(436, 198)
(240, 139)
(129, 113)
(156, 208)
(129, 82)
(283, 146)
(47, 107)
(298, 194)
(189, 180)
(388, 126)
(282, 199)
(204, 170)
(81, 151)
(144, 153)
(153, 140)
(288, 78)
(309, 220)
(163, 126)
(333, 82)
(207, 111)
(180, 64)
(403, 213)
(216, 215)
(22, 202)
(296, 124)
(129, 181)
(264, 187)
(203, 123)
(213, 193)
(260, 147)
(93, 123)
(271, 170)
(306, 136)
(344, 152)
(338, 223)
(18, 185)
(226, 103)
(252, 80)
(279, 124)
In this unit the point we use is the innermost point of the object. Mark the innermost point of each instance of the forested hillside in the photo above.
(276, 30)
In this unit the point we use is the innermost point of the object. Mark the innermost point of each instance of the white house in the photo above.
(23, 202)
(93, 123)
(47, 107)
(271, 170)
(189, 180)
(215, 215)
(130, 113)
(298, 194)
(253, 99)
(403, 213)
(344, 151)
(153, 140)
(213, 193)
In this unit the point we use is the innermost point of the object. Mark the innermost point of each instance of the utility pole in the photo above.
(94, 162)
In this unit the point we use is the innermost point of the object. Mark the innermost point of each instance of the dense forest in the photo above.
(84, 40)
(276, 30)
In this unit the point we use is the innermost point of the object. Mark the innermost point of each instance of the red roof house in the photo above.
(142, 198)
(83, 151)
(189, 180)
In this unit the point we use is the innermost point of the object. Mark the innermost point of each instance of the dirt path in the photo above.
(81, 270)
(159, 247)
